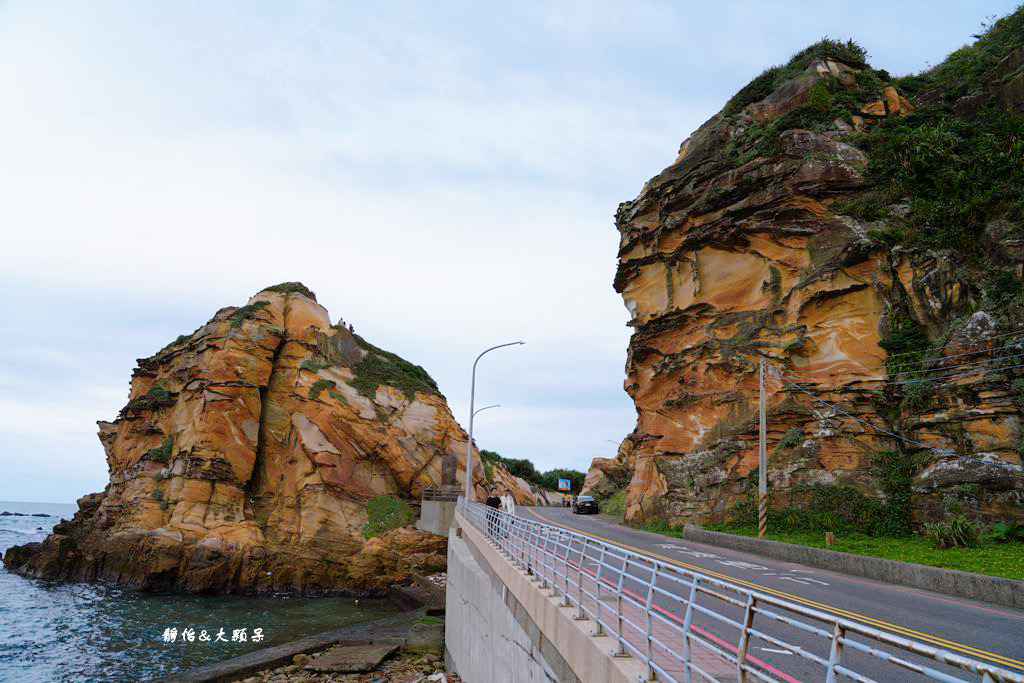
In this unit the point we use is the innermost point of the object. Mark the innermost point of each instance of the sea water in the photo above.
(58, 631)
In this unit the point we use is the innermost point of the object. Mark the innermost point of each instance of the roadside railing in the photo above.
(443, 494)
(687, 626)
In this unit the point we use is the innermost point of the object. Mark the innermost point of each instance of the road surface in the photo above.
(989, 633)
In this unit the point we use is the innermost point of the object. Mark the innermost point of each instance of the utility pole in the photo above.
(762, 460)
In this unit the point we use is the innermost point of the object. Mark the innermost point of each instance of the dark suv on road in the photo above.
(584, 504)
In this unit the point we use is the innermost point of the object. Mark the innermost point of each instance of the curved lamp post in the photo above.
(480, 410)
(472, 414)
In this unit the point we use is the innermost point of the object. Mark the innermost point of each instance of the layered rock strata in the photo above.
(246, 455)
(740, 252)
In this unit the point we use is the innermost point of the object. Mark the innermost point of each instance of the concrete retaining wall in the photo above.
(499, 626)
(991, 589)
(436, 516)
(483, 639)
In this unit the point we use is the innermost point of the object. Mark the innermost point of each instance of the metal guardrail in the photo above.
(444, 494)
(677, 621)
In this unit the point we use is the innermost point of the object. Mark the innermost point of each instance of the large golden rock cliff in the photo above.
(245, 457)
(755, 245)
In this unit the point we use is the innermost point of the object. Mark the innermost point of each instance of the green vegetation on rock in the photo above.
(770, 79)
(292, 288)
(313, 364)
(383, 367)
(247, 312)
(156, 398)
(793, 437)
(385, 513)
(839, 508)
(161, 453)
(615, 505)
(320, 386)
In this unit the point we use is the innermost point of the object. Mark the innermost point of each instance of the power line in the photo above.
(852, 417)
(928, 380)
(1015, 344)
(929, 373)
(994, 336)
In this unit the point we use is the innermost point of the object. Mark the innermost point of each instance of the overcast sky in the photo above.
(442, 174)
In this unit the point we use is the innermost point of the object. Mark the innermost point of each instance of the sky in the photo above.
(444, 175)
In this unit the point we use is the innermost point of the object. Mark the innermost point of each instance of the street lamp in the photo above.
(472, 414)
(480, 410)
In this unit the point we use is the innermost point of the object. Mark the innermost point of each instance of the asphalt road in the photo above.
(989, 633)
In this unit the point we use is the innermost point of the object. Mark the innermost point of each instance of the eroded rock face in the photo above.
(246, 454)
(723, 265)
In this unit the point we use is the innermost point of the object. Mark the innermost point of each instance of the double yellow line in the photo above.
(997, 659)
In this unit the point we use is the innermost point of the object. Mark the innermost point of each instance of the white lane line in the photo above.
(769, 649)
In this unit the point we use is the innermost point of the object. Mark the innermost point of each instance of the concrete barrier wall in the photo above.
(484, 641)
(436, 516)
(991, 589)
(499, 625)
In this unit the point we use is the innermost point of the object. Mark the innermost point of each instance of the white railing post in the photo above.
(650, 622)
(597, 593)
(565, 577)
(836, 654)
(580, 616)
(687, 623)
(618, 608)
(741, 648)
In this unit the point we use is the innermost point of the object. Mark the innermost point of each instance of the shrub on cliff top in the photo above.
(957, 174)
(762, 86)
(291, 288)
(385, 513)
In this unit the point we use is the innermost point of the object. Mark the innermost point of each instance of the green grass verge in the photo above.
(993, 559)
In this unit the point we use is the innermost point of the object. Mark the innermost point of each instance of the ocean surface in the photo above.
(54, 631)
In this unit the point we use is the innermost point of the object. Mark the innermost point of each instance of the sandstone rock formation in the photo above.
(742, 250)
(246, 454)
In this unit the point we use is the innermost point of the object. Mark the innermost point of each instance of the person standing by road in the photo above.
(493, 505)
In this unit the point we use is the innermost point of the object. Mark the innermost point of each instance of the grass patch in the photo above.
(246, 312)
(292, 288)
(615, 505)
(818, 508)
(385, 513)
(993, 559)
(383, 367)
